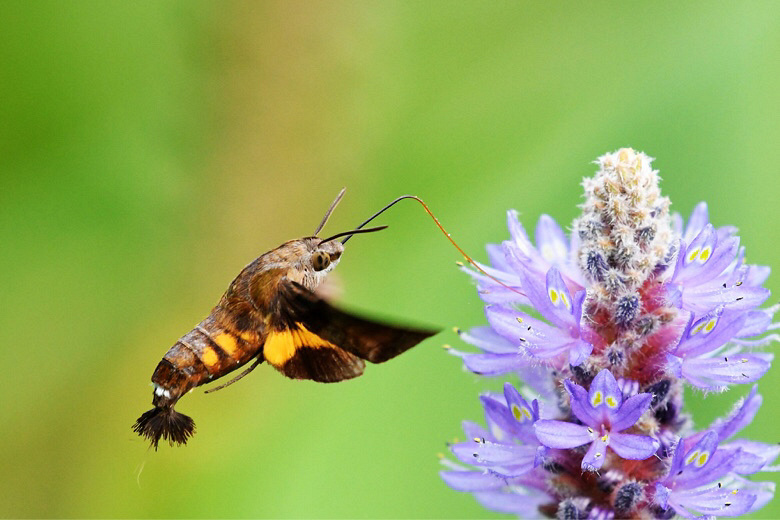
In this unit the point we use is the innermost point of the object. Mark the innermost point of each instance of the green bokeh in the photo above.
(148, 150)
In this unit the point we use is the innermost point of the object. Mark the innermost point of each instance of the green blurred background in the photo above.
(149, 150)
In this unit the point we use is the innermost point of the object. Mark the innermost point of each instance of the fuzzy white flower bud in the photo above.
(625, 230)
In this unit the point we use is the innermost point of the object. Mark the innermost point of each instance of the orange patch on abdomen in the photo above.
(209, 357)
(228, 343)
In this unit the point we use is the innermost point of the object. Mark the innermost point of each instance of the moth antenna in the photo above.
(438, 224)
(163, 422)
(330, 210)
(237, 378)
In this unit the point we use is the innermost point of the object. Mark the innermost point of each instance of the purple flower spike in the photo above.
(604, 415)
(606, 328)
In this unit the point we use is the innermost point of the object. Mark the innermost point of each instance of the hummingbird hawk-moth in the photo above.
(271, 313)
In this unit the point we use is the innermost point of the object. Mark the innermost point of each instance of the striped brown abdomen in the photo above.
(207, 352)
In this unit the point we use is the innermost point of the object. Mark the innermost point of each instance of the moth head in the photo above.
(312, 259)
(324, 255)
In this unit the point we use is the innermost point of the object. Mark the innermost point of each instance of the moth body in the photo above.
(271, 313)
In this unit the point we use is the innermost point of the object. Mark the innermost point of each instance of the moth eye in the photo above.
(320, 261)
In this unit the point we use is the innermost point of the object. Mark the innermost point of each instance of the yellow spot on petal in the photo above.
(527, 413)
(517, 413)
(692, 255)
(565, 300)
(693, 455)
(704, 255)
(605, 439)
(697, 329)
(611, 402)
(553, 296)
(598, 398)
(711, 324)
(702, 460)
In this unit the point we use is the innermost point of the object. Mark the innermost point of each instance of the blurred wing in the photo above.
(370, 340)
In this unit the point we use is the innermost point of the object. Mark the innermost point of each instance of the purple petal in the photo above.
(471, 480)
(497, 259)
(498, 414)
(474, 431)
(491, 292)
(516, 326)
(579, 352)
(661, 495)
(710, 332)
(764, 491)
(756, 456)
(756, 323)
(521, 410)
(696, 222)
(494, 364)
(604, 393)
(716, 373)
(580, 405)
(757, 342)
(630, 412)
(705, 297)
(485, 338)
(703, 462)
(519, 236)
(716, 501)
(538, 338)
(745, 463)
(697, 253)
(594, 457)
(633, 447)
(756, 275)
(536, 290)
(722, 255)
(491, 454)
(562, 435)
(674, 365)
(560, 298)
(524, 413)
(678, 460)
(741, 415)
(551, 241)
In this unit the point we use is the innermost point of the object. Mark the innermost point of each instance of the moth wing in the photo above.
(300, 354)
(367, 339)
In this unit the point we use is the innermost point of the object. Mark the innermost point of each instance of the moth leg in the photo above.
(237, 378)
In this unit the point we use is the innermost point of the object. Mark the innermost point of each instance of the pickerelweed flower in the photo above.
(606, 329)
